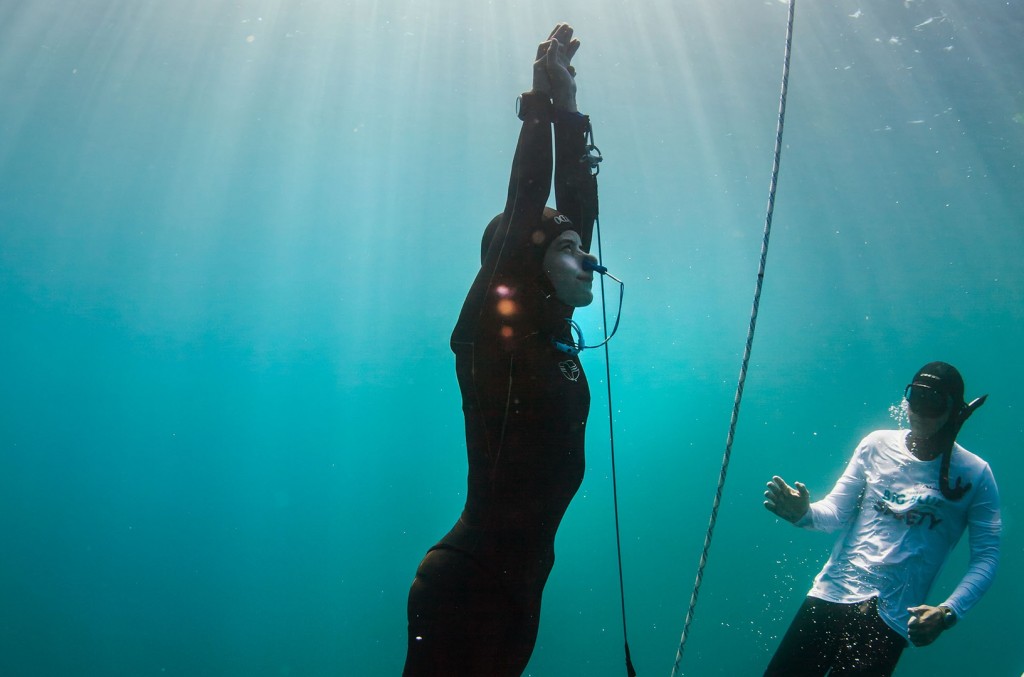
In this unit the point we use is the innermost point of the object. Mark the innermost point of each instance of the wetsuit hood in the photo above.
(552, 224)
(552, 312)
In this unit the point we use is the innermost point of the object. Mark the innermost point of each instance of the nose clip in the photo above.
(590, 264)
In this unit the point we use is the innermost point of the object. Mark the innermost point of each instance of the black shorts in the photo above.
(848, 639)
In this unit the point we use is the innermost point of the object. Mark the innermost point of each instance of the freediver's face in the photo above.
(563, 264)
(926, 416)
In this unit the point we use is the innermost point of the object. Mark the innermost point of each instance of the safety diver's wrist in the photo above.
(949, 617)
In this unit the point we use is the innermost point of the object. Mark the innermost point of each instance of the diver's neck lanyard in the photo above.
(577, 345)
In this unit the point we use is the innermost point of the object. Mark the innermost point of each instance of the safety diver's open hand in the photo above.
(553, 73)
(926, 624)
(787, 502)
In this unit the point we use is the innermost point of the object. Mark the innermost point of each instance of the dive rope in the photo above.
(750, 342)
(593, 158)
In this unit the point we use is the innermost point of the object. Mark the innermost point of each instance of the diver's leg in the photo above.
(461, 623)
(436, 623)
(808, 647)
(523, 621)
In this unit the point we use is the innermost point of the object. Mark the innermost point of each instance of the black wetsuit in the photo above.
(475, 604)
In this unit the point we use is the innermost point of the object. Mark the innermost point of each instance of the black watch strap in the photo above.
(531, 105)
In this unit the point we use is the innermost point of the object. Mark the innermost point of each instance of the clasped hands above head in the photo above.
(553, 73)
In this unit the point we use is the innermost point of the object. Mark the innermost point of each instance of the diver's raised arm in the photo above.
(575, 185)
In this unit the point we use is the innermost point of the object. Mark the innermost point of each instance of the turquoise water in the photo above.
(235, 236)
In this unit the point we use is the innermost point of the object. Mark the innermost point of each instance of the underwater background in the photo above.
(235, 237)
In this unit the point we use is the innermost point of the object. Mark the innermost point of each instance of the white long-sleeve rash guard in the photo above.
(898, 528)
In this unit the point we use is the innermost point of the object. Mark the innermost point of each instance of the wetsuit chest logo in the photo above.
(570, 370)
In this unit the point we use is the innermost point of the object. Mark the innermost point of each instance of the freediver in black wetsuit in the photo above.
(474, 606)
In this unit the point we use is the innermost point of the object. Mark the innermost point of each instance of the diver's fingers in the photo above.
(776, 488)
(542, 49)
(802, 488)
(574, 47)
(557, 32)
(563, 33)
(551, 56)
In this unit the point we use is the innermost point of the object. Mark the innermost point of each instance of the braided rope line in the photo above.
(748, 347)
